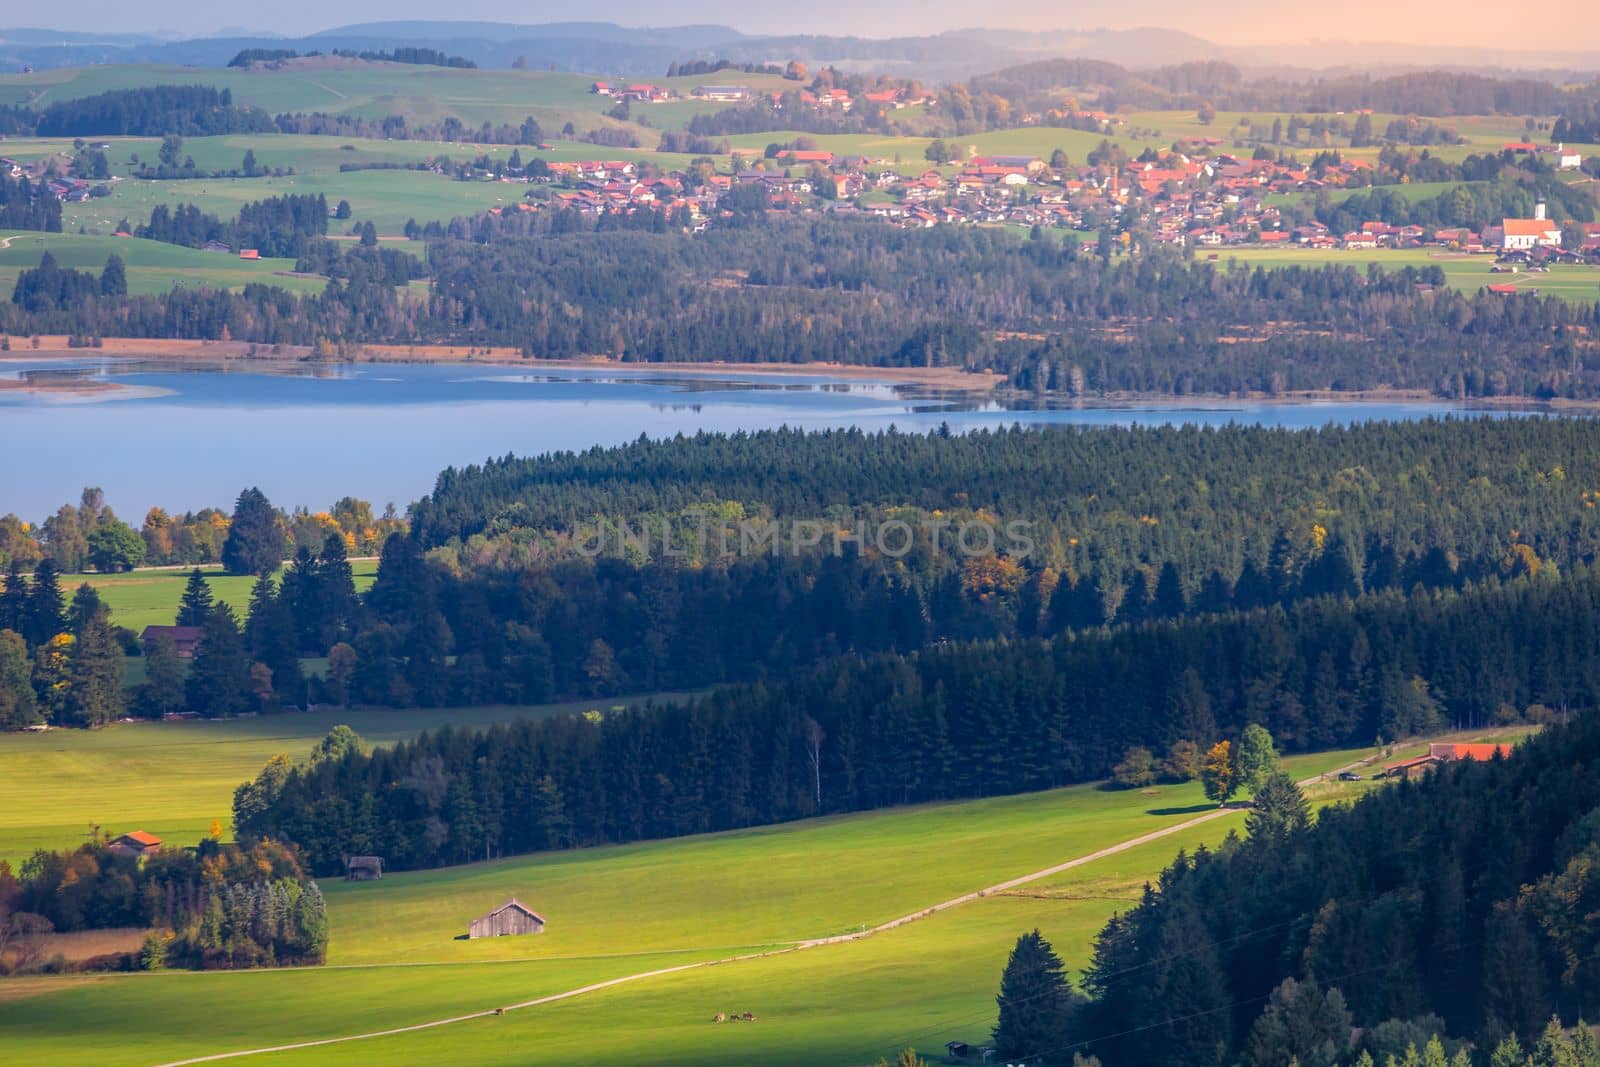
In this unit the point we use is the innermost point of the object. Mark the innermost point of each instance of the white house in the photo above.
(1568, 159)
(1521, 235)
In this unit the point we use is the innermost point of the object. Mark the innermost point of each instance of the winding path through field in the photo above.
(798, 946)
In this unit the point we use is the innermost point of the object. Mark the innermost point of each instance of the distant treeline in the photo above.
(1462, 904)
(1049, 315)
(431, 57)
(399, 128)
(961, 720)
(690, 67)
(217, 906)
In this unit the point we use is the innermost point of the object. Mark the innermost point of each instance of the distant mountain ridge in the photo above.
(641, 52)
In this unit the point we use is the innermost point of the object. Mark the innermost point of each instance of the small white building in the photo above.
(1568, 159)
(1522, 235)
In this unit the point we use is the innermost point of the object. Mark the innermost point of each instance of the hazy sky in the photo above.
(1553, 25)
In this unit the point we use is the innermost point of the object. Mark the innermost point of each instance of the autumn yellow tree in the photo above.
(1217, 772)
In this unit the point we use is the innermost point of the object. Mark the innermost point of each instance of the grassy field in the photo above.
(153, 267)
(150, 597)
(173, 778)
(395, 959)
(1464, 272)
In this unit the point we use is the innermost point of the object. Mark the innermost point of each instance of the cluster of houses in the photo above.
(1204, 202)
(68, 190)
(820, 99)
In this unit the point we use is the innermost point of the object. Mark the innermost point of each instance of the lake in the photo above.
(186, 435)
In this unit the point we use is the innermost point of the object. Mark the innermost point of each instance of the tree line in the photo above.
(958, 720)
(1050, 316)
(217, 906)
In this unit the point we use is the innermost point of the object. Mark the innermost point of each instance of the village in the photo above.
(1202, 199)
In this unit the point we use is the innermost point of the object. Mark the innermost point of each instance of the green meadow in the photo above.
(153, 267)
(396, 960)
(1465, 272)
(174, 778)
(150, 597)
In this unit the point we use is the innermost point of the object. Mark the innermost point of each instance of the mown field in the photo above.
(150, 597)
(174, 778)
(395, 958)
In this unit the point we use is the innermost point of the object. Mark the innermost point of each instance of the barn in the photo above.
(512, 917)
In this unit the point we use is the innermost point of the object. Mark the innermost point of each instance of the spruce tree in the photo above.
(219, 677)
(339, 605)
(255, 538)
(94, 693)
(1280, 809)
(270, 638)
(46, 614)
(14, 600)
(196, 602)
(1034, 998)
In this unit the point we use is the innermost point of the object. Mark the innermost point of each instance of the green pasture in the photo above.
(396, 959)
(150, 597)
(152, 267)
(1467, 273)
(421, 93)
(174, 778)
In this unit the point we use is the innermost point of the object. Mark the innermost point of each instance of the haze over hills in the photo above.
(609, 48)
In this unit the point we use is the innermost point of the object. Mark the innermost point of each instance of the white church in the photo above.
(1523, 235)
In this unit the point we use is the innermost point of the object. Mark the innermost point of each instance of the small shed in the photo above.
(363, 868)
(512, 917)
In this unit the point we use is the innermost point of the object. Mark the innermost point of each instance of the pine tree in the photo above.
(1034, 1000)
(255, 537)
(219, 676)
(270, 638)
(163, 689)
(195, 604)
(1280, 809)
(46, 614)
(14, 600)
(95, 695)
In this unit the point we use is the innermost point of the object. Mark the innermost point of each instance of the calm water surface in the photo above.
(187, 436)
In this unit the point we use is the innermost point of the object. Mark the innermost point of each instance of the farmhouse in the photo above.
(512, 917)
(136, 843)
(1537, 232)
(1445, 753)
(186, 638)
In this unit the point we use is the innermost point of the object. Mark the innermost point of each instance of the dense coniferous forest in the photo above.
(1460, 904)
(1047, 315)
(523, 581)
(959, 720)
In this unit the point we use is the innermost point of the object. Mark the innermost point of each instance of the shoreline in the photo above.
(941, 379)
(223, 353)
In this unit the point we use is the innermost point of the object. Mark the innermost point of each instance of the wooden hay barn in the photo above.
(363, 868)
(512, 917)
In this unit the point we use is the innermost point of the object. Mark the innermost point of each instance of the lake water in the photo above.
(186, 436)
